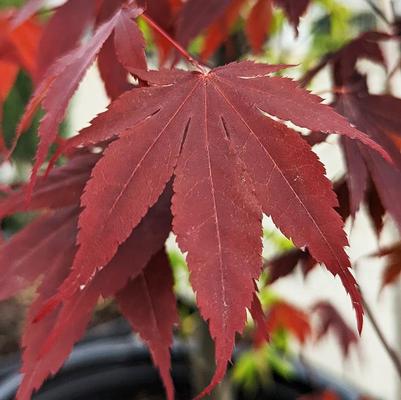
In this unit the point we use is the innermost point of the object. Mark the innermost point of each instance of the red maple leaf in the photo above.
(378, 116)
(220, 137)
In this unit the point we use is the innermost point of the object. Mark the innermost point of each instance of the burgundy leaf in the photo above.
(294, 9)
(376, 209)
(285, 264)
(230, 162)
(63, 187)
(357, 174)
(34, 250)
(56, 333)
(386, 177)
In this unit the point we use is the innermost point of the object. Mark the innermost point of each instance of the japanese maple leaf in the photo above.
(61, 188)
(46, 248)
(63, 77)
(378, 116)
(331, 320)
(230, 161)
(282, 315)
(75, 17)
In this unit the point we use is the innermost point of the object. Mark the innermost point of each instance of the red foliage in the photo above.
(378, 115)
(202, 152)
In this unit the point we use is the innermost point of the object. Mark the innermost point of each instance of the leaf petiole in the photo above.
(179, 48)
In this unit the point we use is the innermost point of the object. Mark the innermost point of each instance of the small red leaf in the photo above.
(294, 9)
(282, 315)
(393, 264)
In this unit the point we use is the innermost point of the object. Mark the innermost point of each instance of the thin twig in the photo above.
(387, 347)
(377, 11)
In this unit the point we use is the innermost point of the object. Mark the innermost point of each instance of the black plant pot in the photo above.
(110, 364)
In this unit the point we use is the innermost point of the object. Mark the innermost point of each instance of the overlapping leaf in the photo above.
(68, 322)
(378, 116)
(47, 247)
(63, 77)
(285, 316)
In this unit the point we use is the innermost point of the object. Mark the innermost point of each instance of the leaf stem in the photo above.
(387, 347)
(180, 49)
(377, 11)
